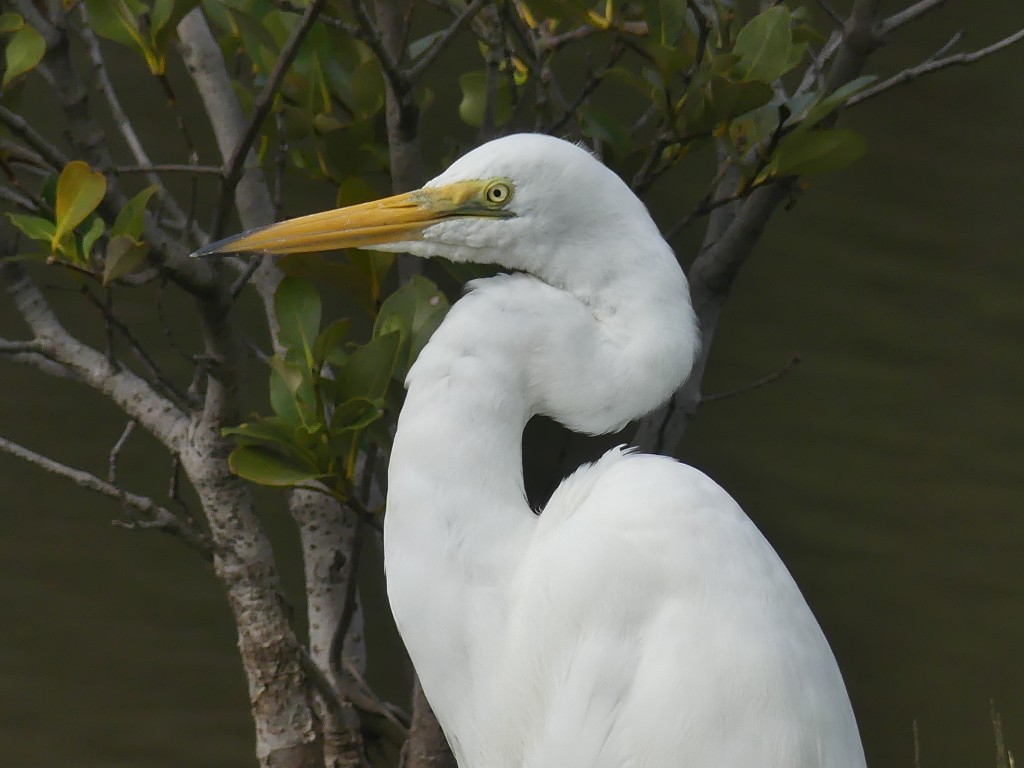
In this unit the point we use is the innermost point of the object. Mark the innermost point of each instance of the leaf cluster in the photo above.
(73, 234)
(328, 392)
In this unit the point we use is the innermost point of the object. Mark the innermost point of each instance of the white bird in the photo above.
(640, 620)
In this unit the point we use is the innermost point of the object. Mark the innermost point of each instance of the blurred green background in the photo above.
(887, 468)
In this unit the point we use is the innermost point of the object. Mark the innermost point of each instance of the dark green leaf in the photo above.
(367, 85)
(356, 413)
(367, 371)
(665, 19)
(605, 127)
(330, 339)
(730, 98)
(816, 152)
(473, 107)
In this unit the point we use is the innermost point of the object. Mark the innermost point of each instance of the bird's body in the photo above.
(640, 620)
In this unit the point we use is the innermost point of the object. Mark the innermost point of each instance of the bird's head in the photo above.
(526, 202)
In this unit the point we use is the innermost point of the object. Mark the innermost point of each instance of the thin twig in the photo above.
(928, 67)
(243, 279)
(908, 14)
(115, 452)
(587, 90)
(264, 102)
(120, 117)
(430, 55)
(14, 198)
(20, 127)
(214, 170)
(156, 378)
(371, 36)
(156, 516)
(831, 13)
(764, 380)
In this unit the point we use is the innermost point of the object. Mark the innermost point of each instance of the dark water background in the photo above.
(887, 468)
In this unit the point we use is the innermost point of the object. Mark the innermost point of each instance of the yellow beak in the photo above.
(393, 219)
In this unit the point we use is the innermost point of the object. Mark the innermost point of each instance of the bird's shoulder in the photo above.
(633, 486)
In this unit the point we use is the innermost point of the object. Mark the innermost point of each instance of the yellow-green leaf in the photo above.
(92, 234)
(10, 22)
(130, 219)
(34, 227)
(124, 255)
(79, 191)
(24, 51)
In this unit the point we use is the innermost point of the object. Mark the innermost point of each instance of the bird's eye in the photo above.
(498, 192)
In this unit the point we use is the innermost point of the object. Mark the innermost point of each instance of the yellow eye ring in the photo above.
(498, 193)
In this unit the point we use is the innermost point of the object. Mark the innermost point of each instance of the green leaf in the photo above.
(367, 84)
(764, 46)
(354, 190)
(801, 154)
(79, 191)
(346, 278)
(10, 22)
(330, 338)
(473, 107)
(278, 435)
(604, 126)
(267, 467)
(666, 19)
(24, 51)
(131, 218)
(730, 98)
(92, 234)
(124, 255)
(298, 308)
(291, 393)
(356, 413)
(415, 311)
(34, 227)
(367, 372)
(262, 430)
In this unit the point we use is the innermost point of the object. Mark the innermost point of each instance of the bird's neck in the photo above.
(458, 522)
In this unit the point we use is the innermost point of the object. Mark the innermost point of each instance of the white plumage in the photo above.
(641, 620)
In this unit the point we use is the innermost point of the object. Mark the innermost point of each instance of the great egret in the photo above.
(640, 620)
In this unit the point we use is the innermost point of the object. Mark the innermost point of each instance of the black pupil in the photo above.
(497, 194)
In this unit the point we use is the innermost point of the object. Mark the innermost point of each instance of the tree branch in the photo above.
(934, 65)
(155, 515)
(120, 117)
(907, 15)
(130, 392)
(430, 55)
